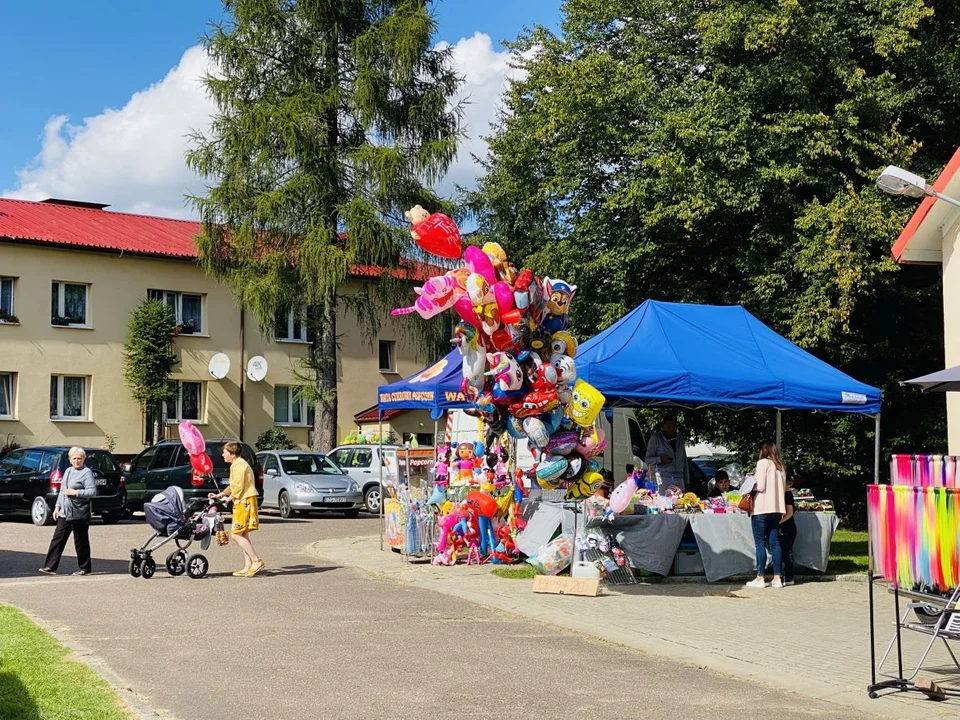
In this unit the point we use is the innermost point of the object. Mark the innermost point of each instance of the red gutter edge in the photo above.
(920, 214)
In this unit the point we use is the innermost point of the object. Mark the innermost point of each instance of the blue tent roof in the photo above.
(695, 355)
(435, 388)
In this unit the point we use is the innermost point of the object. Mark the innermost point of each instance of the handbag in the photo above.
(746, 503)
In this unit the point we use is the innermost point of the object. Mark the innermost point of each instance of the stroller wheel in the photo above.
(197, 566)
(134, 567)
(177, 563)
(149, 568)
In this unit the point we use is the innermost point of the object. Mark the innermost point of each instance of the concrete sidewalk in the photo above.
(811, 639)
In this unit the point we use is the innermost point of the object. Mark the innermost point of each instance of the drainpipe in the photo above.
(243, 374)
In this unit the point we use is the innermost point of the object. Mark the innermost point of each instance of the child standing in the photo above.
(246, 518)
(788, 532)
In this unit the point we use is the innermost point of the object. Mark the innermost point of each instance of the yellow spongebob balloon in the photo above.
(585, 403)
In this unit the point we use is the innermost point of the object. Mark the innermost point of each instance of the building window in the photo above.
(8, 386)
(68, 397)
(290, 409)
(186, 309)
(386, 356)
(6, 300)
(186, 402)
(291, 326)
(68, 304)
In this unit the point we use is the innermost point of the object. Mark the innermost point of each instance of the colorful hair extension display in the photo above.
(913, 533)
(924, 470)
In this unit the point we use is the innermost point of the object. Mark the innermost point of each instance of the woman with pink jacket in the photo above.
(768, 508)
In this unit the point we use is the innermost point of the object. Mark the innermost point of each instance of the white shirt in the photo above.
(675, 472)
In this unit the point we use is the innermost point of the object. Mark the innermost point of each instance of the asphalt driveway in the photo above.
(309, 639)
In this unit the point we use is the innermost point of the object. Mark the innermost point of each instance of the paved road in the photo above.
(308, 639)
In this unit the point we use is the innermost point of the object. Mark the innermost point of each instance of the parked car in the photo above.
(30, 482)
(362, 463)
(168, 463)
(298, 481)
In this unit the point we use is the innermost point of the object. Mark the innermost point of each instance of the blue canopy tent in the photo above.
(673, 354)
(437, 388)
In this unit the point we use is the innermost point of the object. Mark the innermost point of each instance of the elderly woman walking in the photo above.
(72, 514)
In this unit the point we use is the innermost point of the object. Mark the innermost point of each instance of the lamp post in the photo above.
(897, 181)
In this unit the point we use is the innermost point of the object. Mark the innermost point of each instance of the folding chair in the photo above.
(944, 626)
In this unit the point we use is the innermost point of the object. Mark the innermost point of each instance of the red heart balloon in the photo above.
(439, 236)
(201, 463)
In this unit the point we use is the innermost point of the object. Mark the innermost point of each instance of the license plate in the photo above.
(101, 481)
(334, 501)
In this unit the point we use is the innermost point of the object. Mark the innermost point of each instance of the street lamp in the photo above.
(897, 181)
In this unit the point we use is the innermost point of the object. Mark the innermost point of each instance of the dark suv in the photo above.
(168, 463)
(30, 482)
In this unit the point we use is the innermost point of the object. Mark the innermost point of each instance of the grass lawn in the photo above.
(38, 680)
(515, 572)
(848, 553)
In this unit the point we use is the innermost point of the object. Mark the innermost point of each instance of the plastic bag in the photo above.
(554, 557)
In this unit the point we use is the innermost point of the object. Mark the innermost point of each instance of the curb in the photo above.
(133, 702)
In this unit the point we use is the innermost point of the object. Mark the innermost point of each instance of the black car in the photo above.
(30, 482)
(168, 463)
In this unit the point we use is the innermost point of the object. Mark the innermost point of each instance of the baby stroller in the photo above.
(175, 521)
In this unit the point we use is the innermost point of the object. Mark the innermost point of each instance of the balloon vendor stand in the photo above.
(913, 540)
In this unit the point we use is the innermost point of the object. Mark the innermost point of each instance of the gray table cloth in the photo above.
(649, 541)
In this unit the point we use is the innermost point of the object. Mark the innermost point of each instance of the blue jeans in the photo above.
(766, 531)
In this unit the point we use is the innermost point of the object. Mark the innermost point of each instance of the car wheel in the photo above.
(40, 512)
(111, 518)
(351, 513)
(284, 504)
(371, 499)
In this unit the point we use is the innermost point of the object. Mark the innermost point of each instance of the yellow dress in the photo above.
(243, 490)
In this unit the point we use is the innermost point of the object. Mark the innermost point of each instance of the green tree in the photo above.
(725, 152)
(148, 359)
(333, 119)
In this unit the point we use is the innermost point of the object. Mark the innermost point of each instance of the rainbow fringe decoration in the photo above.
(924, 470)
(913, 533)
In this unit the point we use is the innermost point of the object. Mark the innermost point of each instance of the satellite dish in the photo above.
(219, 366)
(257, 368)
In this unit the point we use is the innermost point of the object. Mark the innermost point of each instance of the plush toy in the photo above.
(436, 233)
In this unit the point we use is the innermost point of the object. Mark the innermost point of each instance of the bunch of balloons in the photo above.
(197, 449)
(519, 359)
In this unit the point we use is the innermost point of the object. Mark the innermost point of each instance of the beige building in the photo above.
(71, 274)
(932, 237)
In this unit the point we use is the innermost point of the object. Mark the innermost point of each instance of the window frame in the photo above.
(392, 358)
(178, 404)
(61, 304)
(177, 296)
(303, 339)
(12, 415)
(307, 409)
(84, 415)
(12, 310)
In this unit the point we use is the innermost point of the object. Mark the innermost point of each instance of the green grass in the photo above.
(515, 572)
(848, 553)
(39, 681)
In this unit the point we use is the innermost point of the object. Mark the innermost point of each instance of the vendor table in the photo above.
(725, 540)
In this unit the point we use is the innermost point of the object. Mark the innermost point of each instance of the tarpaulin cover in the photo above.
(435, 388)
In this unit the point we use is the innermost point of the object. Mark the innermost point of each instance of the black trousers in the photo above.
(81, 541)
(788, 535)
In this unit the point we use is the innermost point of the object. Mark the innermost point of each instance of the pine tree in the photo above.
(333, 118)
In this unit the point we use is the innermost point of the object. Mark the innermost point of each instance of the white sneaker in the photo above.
(777, 584)
(757, 583)
(787, 583)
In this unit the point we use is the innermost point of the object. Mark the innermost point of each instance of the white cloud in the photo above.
(133, 157)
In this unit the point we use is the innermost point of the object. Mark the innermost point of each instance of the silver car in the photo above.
(298, 481)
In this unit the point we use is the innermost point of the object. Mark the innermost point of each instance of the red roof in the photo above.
(97, 229)
(370, 415)
(920, 214)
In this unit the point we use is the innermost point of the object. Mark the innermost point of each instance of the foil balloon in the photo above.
(436, 233)
(536, 432)
(550, 469)
(191, 438)
(201, 463)
(587, 485)
(478, 262)
(585, 404)
(562, 443)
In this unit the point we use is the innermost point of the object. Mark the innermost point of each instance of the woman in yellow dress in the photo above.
(243, 492)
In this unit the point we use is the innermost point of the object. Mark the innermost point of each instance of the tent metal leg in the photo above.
(779, 435)
(380, 463)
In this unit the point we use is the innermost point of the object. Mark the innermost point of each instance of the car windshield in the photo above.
(309, 464)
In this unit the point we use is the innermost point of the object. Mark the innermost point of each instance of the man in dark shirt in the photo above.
(721, 484)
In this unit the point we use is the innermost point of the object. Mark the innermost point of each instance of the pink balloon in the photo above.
(479, 262)
(464, 309)
(620, 497)
(504, 295)
(191, 438)
(588, 447)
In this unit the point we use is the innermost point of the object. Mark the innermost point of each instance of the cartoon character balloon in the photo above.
(585, 404)
(436, 233)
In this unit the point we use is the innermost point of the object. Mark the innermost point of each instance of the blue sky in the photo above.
(86, 60)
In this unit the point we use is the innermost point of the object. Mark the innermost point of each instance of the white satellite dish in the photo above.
(257, 368)
(219, 366)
